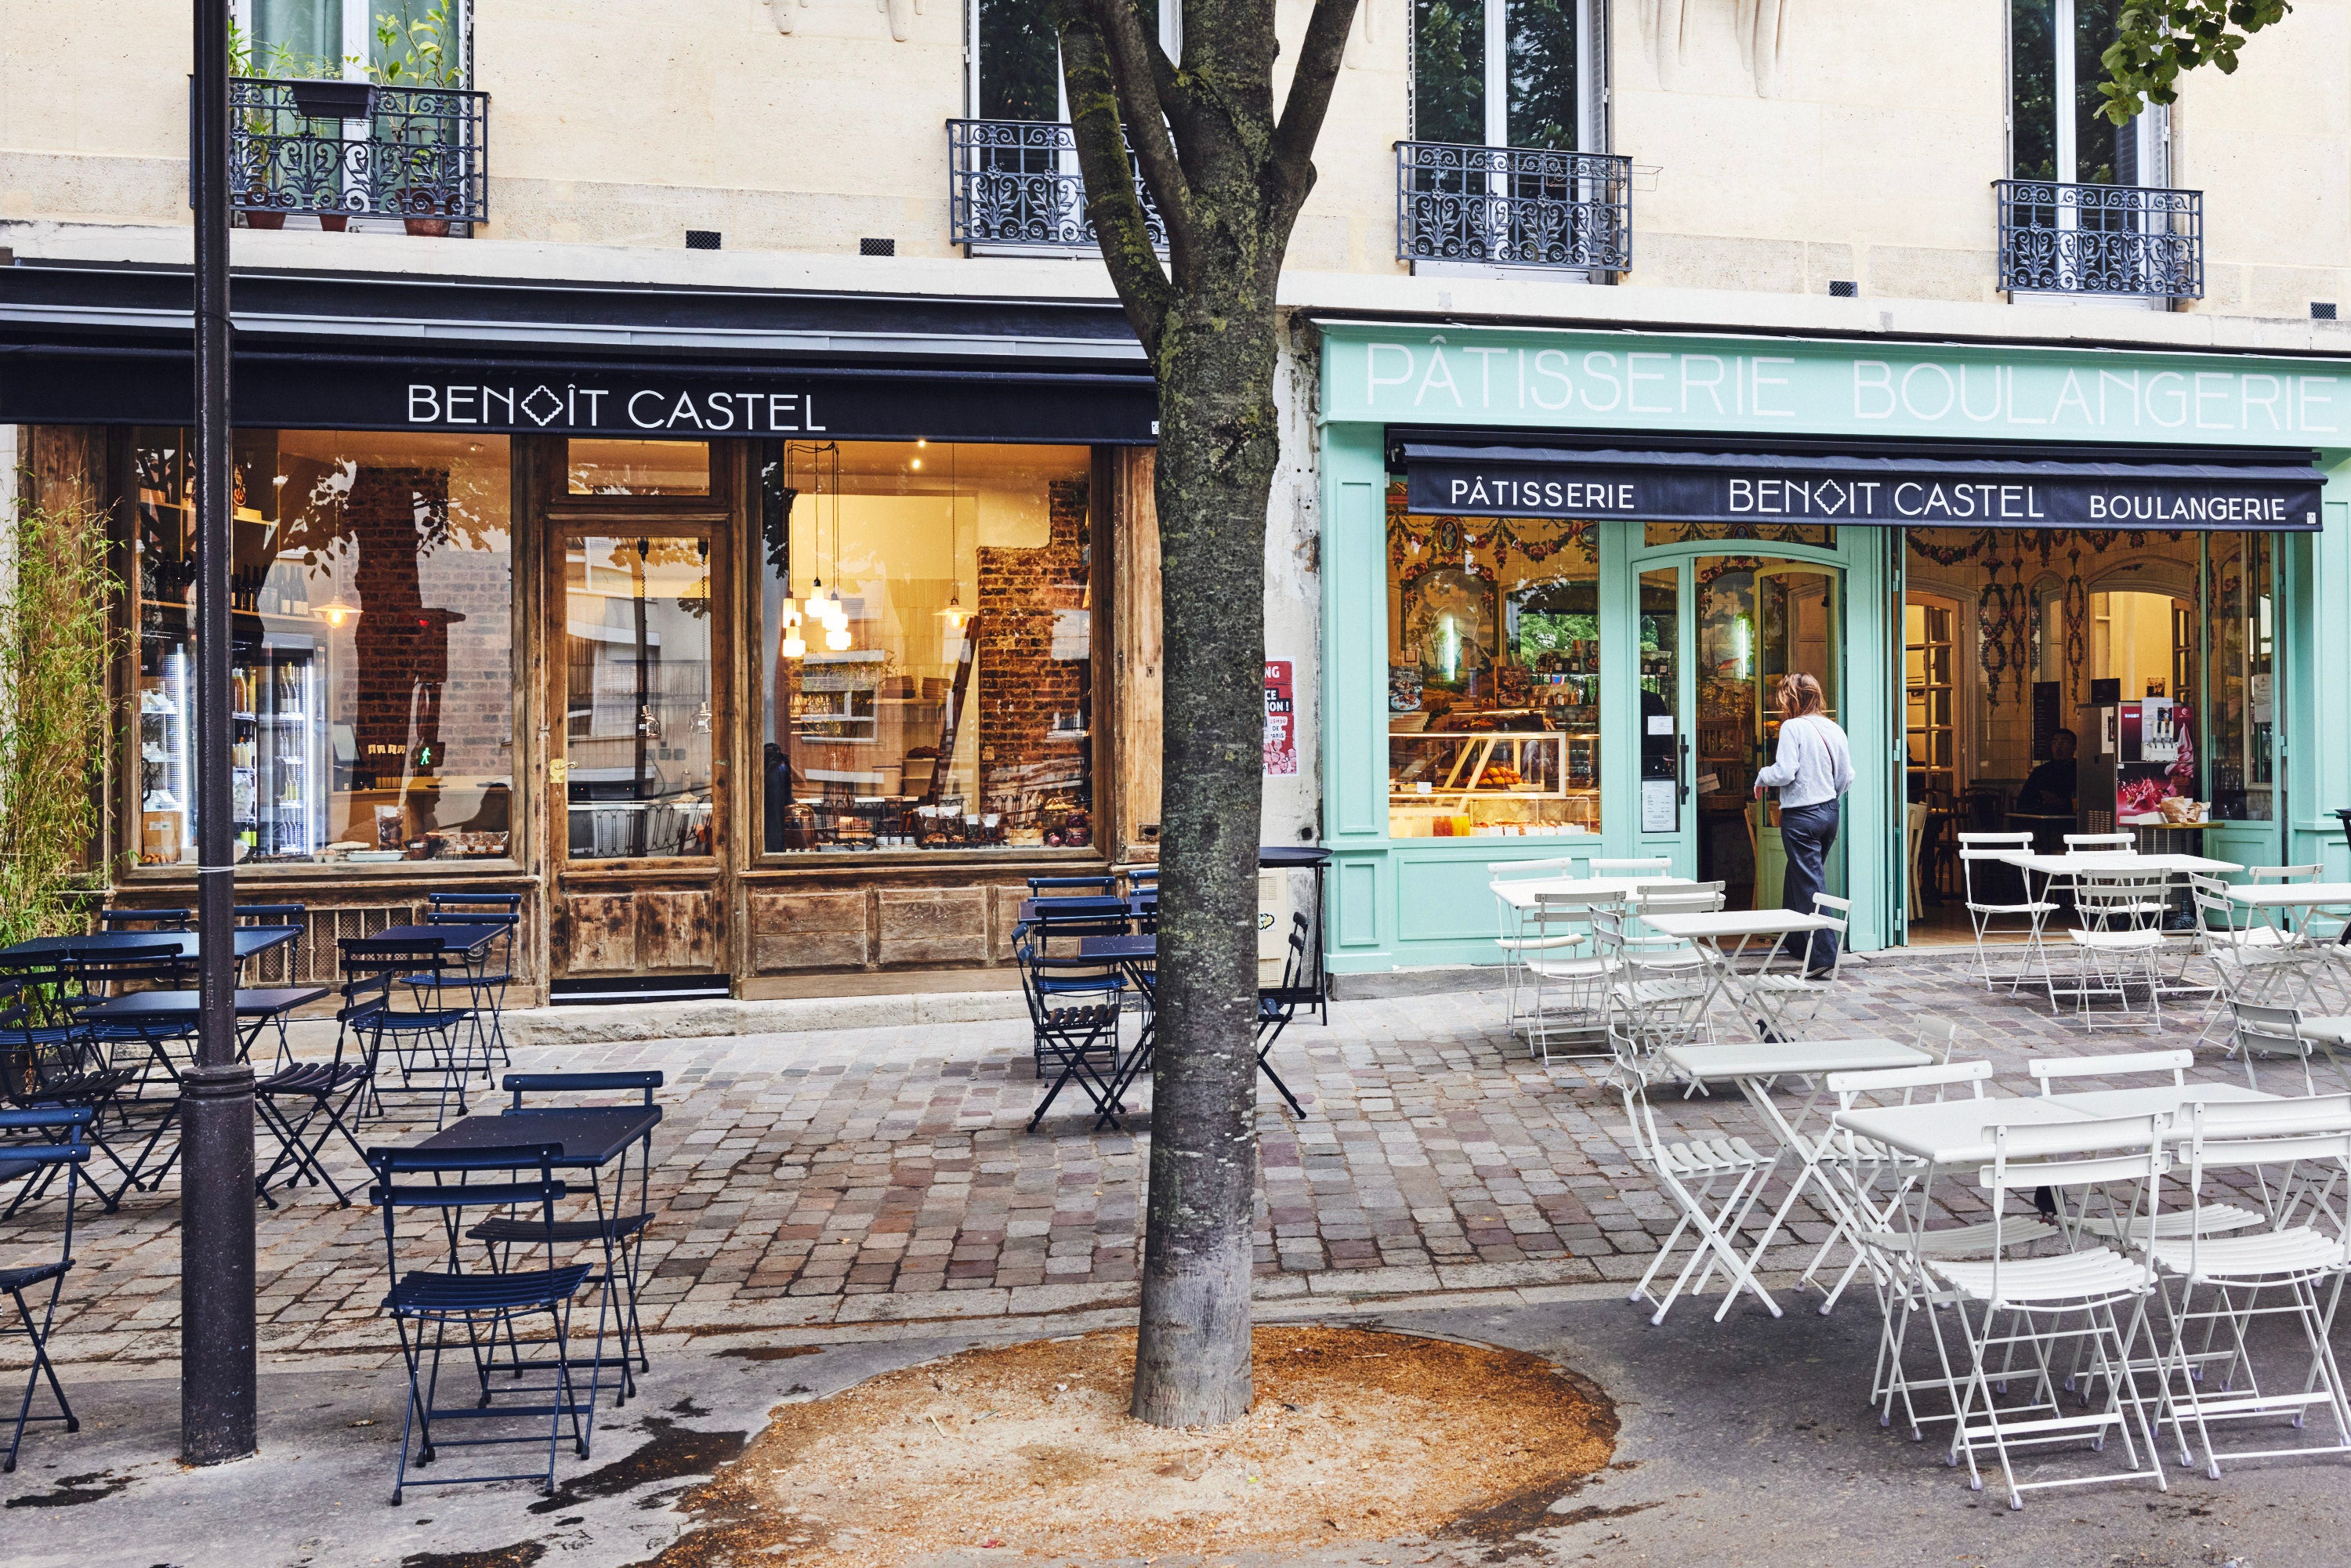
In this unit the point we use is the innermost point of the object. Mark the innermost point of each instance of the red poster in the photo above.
(1281, 719)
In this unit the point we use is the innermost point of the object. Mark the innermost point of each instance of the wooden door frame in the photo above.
(557, 517)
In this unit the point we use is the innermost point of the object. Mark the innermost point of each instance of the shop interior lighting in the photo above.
(955, 614)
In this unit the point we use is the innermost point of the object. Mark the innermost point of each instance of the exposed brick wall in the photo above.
(1024, 767)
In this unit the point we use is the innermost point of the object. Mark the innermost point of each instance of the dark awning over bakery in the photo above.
(2278, 491)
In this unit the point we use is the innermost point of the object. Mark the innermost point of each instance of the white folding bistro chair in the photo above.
(2094, 1292)
(2050, 1073)
(2287, 1033)
(1874, 1182)
(1999, 920)
(1658, 865)
(2118, 943)
(1511, 935)
(1567, 972)
(1788, 997)
(1705, 1177)
(2101, 843)
(2296, 1270)
(2253, 960)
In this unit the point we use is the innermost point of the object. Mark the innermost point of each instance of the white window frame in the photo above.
(1171, 39)
(2152, 128)
(1591, 83)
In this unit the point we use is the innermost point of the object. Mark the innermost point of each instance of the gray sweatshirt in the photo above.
(1815, 764)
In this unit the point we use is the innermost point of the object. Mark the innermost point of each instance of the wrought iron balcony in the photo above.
(1014, 184)
(1513, 206)
(2125, 240)
(354, 148)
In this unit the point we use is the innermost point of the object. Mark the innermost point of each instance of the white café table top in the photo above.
(1727, 923)
(2117, 860)
(1758, 1060)
(1955, 1130)
(1950, 1130)
(1523, 894)
(2164, 1100)
(2290, 894)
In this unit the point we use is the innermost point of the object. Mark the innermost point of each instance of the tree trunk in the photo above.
(1216, 455)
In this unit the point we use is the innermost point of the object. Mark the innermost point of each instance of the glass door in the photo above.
(1717, 632)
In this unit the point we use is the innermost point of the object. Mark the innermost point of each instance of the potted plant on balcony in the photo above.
(425, 53)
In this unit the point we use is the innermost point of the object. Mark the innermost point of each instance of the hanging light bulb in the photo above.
(794, 646)
(955, 614)
(837, 639)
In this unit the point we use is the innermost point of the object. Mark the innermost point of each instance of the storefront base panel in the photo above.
(1412, 904)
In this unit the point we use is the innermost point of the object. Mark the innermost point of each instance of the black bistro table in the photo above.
(589, 1138)
(99, 946)
(157, 1017)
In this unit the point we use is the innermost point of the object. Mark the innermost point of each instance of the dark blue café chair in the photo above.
(40, 1143)
(617, 1233)
(487, 1307)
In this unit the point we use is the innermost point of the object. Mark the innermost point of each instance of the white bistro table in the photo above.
(1753, 1067)
(1525, 893)
(1751, 992)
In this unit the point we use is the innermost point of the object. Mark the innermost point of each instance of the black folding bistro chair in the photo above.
(284, 964)
(1073, 1012)
(1103, 886)
(91, 974)
(423, 1040)
(483, 978)
(616, 1232)
(54, 1143)
(1278, 1005)
(486, 1307)
(145, 919)
(329, 1095)
(47, 1069)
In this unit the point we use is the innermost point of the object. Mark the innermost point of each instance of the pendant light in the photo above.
(955, 614)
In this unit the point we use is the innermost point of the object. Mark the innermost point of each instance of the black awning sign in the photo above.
(666, 409)
(1713, 493)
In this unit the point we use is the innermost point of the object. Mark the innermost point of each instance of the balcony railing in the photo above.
(2125, 240)
(1513, 206)
(354, 148)
(1014, 184)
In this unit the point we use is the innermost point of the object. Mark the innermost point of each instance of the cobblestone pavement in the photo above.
(884, 1175)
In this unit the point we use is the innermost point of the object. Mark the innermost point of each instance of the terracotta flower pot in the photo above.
(265, 220)
(334, 223)
(431, 228)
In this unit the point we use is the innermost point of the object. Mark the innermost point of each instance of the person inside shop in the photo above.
(1813, 771)
(2048, 789)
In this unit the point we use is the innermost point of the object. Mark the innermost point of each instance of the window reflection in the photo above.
(637, 721)
(927, 647)
(1493, 677)
(372, 643)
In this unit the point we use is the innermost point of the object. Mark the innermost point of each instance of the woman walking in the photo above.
(1813, 770)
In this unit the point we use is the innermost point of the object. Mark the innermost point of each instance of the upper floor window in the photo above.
(2057, 129)
(401, 43)
(1509, 73)
(1016, 58)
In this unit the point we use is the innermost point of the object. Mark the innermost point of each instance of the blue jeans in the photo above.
(1805, 833)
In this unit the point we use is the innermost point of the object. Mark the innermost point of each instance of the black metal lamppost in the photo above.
(218, 1366)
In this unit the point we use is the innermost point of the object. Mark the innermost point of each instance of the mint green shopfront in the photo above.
(1657, 632)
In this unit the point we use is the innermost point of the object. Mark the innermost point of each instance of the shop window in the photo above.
(2241, 628)
(1494, 672)
(926, 650)
(1824, 535)
(372, 630)
(618, 467)
(637, 710)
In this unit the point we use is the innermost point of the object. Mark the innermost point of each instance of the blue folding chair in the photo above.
(484, 979)
(423, 1039)
(619, 1234)
(56, 1143)
(47, 1068)
(488, 1307)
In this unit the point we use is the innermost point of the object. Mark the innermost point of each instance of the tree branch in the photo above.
(1112, 204)
(1291, 172)
(1139, 69)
